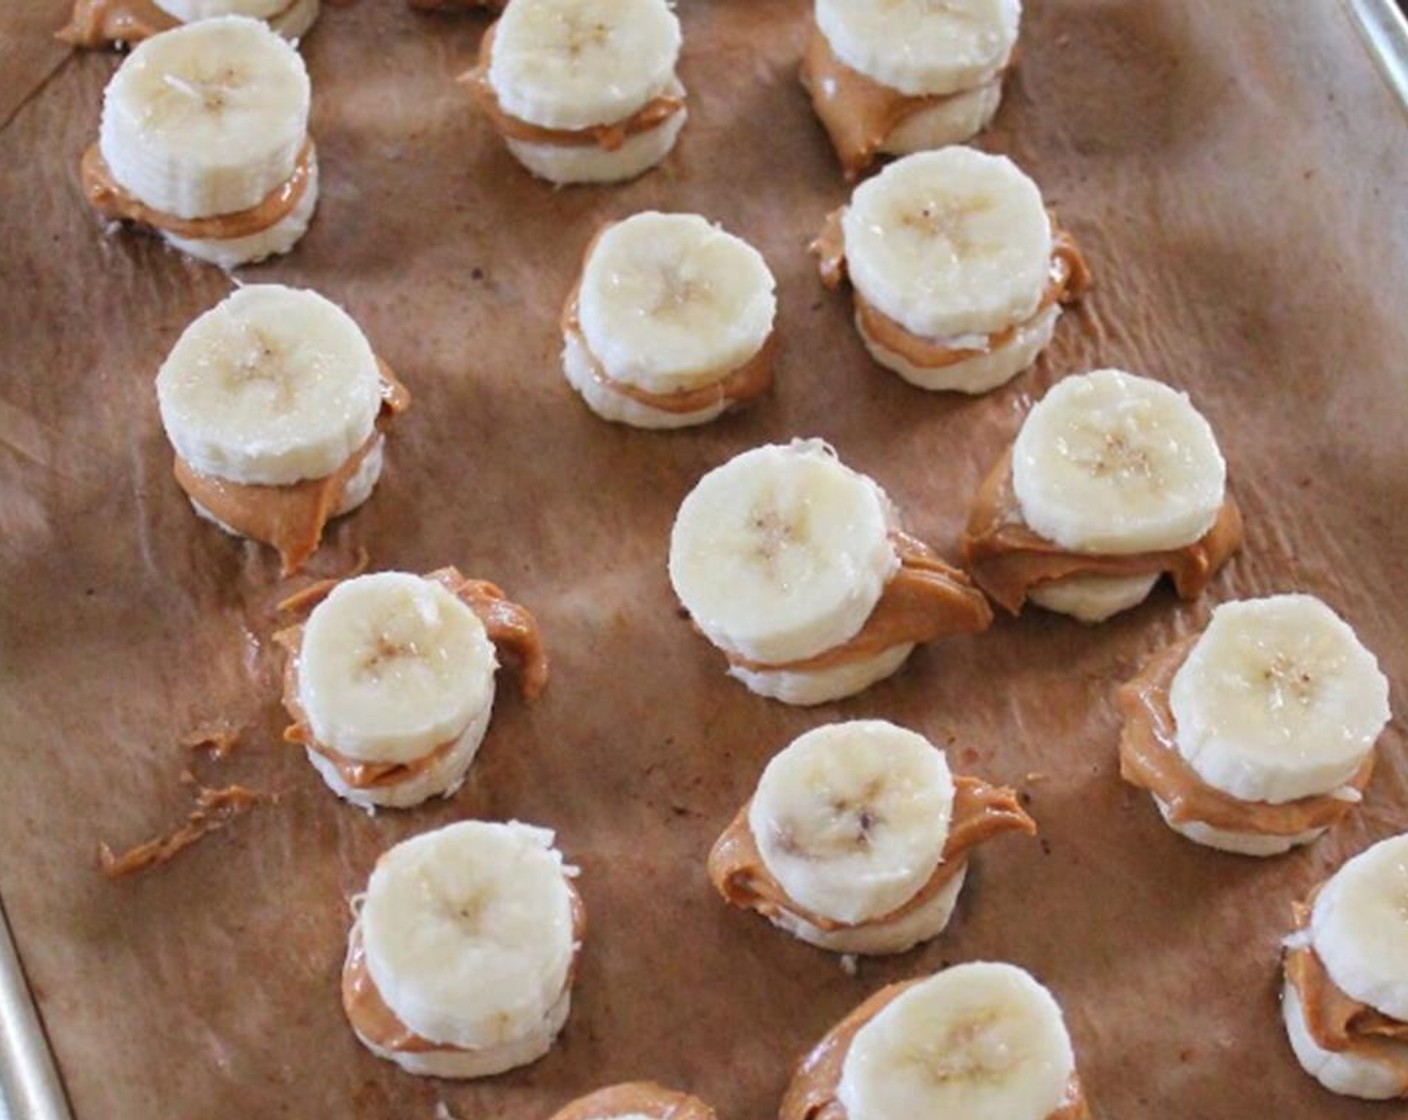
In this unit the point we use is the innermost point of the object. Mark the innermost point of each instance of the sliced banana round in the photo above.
(188, 11)
(206, 119)
(1278, 700)
(922, 47)
(1359, 927)
(271, 386)
(851, 818)
(468, 932)
(393, 665)
(782, 552)
(670, 302)
(979, 1040)
(1111, 463)
(572, 64)
(949, 243)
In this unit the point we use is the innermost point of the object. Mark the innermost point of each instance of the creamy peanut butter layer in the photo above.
(1336, 1021)
(857, 112)
(1008, 559)
(374, 1021)
(735, 387)
(290, 518)
(812, 1094)
(1067, 281)
(1150, 759)
(636, 1098)
(512, 629)
(99, 23)
(927, 598)
(117, 204)
(608, 137)
(980, 812)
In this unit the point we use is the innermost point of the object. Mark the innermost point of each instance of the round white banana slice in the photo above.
(1278, 700)
(565, 164)
(782, 552)
(1111, 463)
(1260, 844)
(1093, 598)
(808, 687)
(949, 244)
(670, 302)
(851, 818)
(271, 386)
(955, 119)
(469, 937)
(206, 119)
(572, 64)
(392, 666)
(188, 11)
(1359, 927)
(978, 1039)
(920, 47)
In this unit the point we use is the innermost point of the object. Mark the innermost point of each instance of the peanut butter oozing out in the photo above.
(857, 112)
(290, 518)
(510, 627)
(1336, 1021)
(1149, 759)
(97, 23)
(375, 1021)
(1067, 281)
(812, 1094)
(980, 812)
(644, 1098)
(215, 808)
(926, 599)
(734, 387)
(117, 204)
(608, 137)
(1008, 559)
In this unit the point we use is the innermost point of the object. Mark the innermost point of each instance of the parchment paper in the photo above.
(1235, 173)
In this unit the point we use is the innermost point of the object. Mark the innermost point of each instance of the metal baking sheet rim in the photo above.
(30, 1087)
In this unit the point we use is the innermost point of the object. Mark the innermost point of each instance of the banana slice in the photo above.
(851, 818)
(976, 1040)
(957, 273)
(919, 47)
(393, 669)
(1108, 462)
(1278, 700)
(271, 400)
(460, 962)
(204, 136)
(583, 90)
(782, 552)
(1345, 1000)
(669, 322)
(290, 18)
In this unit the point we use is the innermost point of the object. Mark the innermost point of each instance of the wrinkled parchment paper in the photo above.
(1235, 173)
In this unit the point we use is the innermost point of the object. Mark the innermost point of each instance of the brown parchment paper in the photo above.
(1235, 173)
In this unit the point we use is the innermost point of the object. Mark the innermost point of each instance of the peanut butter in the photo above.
(290, 518)
(215, 808)
(373, 1020)
(1334, 1020)
(926, 599)
(1068, 279)
(752, 379)
(608, 137)
(642, 1098)
(97, 23)
(980, 812)
(812, 1094)
(1008, 559)
(857, 112)
(117, 204)
(1150, 759)
(510, 627)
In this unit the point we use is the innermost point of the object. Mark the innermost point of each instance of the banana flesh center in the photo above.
(211, 95)
(976, 1050)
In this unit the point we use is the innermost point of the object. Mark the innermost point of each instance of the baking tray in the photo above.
(1241, 63)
